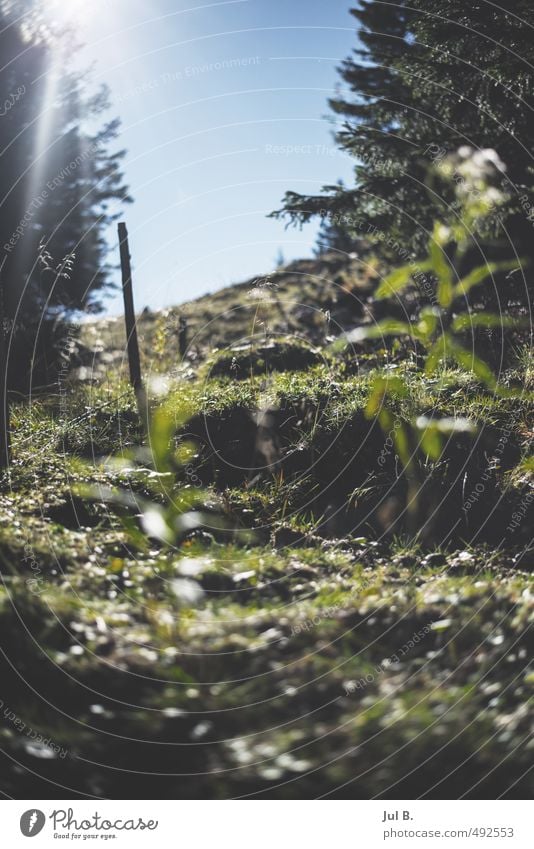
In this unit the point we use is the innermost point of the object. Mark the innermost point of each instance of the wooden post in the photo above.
(5, 446)
(129, 314)
(131, 329)
(182, 336)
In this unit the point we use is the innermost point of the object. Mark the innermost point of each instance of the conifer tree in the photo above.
(61, 183)
(428, 77)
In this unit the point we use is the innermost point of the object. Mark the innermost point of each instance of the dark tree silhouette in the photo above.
(428, 77)
(61, 184)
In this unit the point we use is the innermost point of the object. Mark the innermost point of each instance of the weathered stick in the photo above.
(182, 336)
(129, 313)
(131, 329)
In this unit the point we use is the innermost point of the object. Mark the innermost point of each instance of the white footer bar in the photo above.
(267, 824)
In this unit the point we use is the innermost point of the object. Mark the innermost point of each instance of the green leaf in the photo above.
(402, 445)
(154, 524)
(386, 420)
(381, 388)
(431, 443)
(388, 327)
(479, 274)
(466, 321)
(162, 429)
(399, 279)
(447, 425)
(471, 363)
(437, 354)
(441, 268)
(428, 320)
(432, 431)
(109, 495)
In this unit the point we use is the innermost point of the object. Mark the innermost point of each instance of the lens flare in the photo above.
(71, 12)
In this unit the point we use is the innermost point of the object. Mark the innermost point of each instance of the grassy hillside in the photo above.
(307, 646)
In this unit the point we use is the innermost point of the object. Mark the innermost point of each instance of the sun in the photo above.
(70, 11)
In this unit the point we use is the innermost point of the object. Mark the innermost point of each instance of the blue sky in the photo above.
(223, 108)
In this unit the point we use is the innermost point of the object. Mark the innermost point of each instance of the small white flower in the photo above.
(465, 151)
